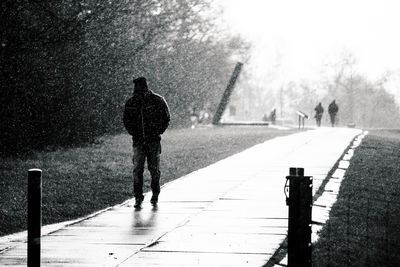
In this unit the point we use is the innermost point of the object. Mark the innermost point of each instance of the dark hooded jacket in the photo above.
(333, 108)
(319, 110)
(146, 117)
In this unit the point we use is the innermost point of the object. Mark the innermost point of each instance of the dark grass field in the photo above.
(79, 181)
(364, 228)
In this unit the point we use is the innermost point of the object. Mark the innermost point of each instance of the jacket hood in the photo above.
(140, 85)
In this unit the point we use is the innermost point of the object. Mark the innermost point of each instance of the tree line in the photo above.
(67, 66)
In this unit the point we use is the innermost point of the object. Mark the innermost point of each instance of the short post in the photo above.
(302, 117)
(300, 204)
(34, 216)
(300, 121)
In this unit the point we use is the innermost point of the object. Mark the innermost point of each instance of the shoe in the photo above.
(154, 199)
(138, 202)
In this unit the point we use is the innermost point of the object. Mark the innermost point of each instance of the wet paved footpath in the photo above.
(231, 213)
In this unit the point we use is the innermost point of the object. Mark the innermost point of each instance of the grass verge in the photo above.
(79, 181)
(364, 224)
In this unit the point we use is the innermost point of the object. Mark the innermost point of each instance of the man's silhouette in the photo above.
(146, 117)
(319, 110)
(333, 110)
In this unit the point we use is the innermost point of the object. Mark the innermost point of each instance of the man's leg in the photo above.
(138, 159)
(153, 164)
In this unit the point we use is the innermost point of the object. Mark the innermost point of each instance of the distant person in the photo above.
(319, 110)
(194, 117)
(272, 116)
(146, 117)
(333, 110)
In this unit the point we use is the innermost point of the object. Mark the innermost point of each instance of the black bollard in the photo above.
(300, 204)
(34, 216)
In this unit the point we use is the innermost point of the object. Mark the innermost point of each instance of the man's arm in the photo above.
(127, 119)
(165, 115)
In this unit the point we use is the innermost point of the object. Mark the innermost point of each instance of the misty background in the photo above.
(310, 51)
(67, 66)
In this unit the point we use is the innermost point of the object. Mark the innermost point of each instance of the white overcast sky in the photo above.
(310, 33)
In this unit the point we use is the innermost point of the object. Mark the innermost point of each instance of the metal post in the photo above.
(299, 122)
(34, 216)
(299, 232)
(227, 93)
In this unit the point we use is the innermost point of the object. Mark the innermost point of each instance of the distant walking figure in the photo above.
(146, 117)
(319, 110)
(194, 117)
(333, 110)
(272, 116)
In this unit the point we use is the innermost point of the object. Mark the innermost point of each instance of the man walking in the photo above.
(146, 117)
(319, 110)
(333, 110)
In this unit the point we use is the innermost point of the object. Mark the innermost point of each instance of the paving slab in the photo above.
(344, 164)
(231, 213)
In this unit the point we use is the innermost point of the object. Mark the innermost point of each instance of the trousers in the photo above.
(151, 152)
